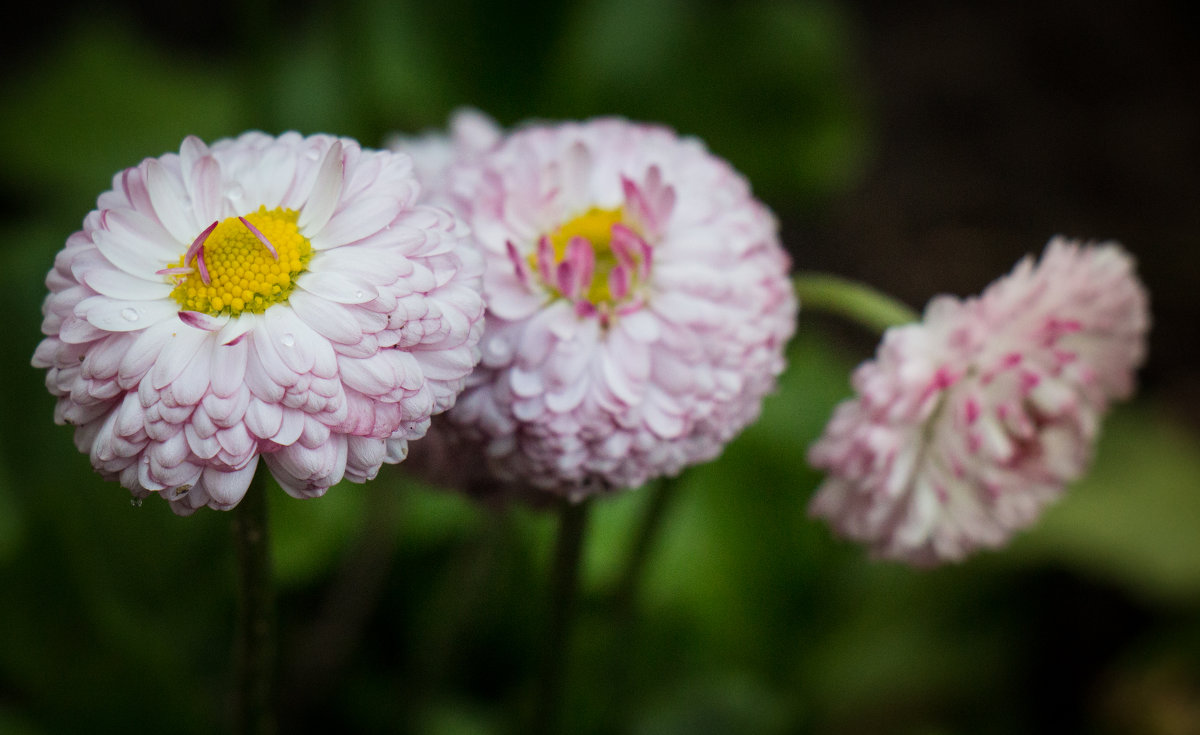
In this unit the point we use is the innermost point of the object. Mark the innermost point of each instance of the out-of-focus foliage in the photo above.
(407, 609)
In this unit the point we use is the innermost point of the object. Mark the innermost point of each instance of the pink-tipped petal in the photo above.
(261, 237)
(545, 259)
(203, 267)
(193, 251)
(519, 264)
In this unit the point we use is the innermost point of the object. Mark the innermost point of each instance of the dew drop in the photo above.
(135, 502)
(312, 155)
(359, 295)
(288, 339)
(130, 315)
(235, 193)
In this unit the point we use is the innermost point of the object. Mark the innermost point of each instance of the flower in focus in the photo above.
(638, 304)
(967, 424)
(276, 297)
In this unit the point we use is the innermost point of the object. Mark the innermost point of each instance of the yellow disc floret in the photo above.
(233, 270)
(596, 226)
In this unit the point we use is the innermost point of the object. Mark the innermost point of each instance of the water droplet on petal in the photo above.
(359, 295)
(130, 315)
(235, 193)
(312, 155)
(288, 339)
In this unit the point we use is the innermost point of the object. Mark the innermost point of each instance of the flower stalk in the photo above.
(254, 651)
(852, 300)
(564, 583)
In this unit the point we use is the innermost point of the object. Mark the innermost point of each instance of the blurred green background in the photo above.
(921, 147)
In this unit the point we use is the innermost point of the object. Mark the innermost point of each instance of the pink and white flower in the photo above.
(967, 424)
(284, 298)
(638, 306)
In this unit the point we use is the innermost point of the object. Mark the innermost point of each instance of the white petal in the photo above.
(227, 488)
(357, 220)
(228, 367)
(113, 315)
(325, 192)
(340, 287)
(134, 253)
(121, 285)
(177, 352)
(330, 319)
(170, 203)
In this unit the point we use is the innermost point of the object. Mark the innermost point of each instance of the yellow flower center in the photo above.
(596, 226)
(232, 270)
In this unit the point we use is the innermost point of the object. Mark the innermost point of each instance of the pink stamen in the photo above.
(580, 253)
(520, 266)
(631, 248)
(564, 279)
(198, 244)
(261, 237)
(619, 282)
(545, 259)
(624, 244)
(638, 206)
(203, 268)
(180, 270)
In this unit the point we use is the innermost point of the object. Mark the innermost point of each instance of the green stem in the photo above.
(563, 586)
(627, 586)
(852, 300)
(254, 653)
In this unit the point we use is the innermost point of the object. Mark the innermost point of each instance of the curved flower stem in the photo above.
(852, 300)
(625, 593)
(564, 582)
(254, 653)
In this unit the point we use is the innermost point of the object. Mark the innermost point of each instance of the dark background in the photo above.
(921, 147)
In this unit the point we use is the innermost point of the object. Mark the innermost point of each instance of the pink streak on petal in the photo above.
(235, 340)
(261, 237)
(199, 321)
(198, 243)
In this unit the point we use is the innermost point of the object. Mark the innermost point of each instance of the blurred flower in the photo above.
(282, 297)
(638, 307)
(967, 424)
(435, 153)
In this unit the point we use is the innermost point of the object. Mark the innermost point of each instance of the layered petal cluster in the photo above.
(638, 305)
(967, 424)
(276, 297)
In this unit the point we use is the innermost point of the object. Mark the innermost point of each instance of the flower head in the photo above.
(966, 425)
(638, 305)
(276, 297)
